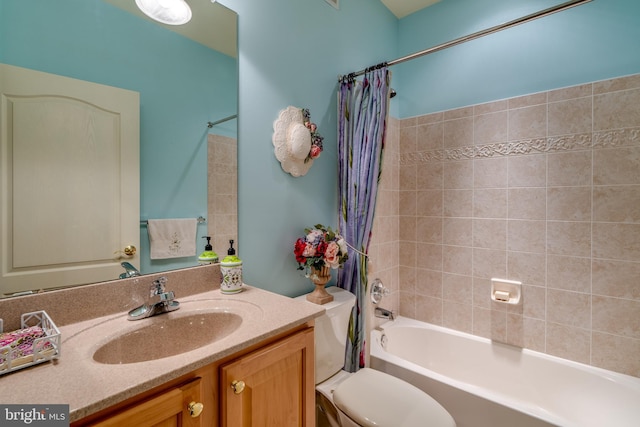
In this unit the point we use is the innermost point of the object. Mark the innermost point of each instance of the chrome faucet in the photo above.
(130, 271)
(160, 301)
(383, 313)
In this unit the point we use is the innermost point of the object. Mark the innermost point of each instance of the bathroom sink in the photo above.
(167, 335)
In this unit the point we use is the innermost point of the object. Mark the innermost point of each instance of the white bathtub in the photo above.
(487, 384)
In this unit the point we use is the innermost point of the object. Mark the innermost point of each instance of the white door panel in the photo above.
(69, 152)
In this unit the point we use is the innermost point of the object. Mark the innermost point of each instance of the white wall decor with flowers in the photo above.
(296, 140)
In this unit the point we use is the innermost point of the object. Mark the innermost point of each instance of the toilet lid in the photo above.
(374, 399)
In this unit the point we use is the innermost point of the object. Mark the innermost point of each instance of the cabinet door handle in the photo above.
(195, 409)
(237, 386)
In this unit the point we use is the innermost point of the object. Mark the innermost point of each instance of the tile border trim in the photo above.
(629, 137)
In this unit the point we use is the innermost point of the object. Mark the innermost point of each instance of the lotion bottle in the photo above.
(208, 256)
(231, 269)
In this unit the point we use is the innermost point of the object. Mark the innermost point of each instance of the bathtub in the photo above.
(488, 384)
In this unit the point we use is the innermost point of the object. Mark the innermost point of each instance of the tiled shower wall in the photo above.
(384, 253)
(544, 189)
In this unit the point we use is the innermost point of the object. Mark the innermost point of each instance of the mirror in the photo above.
(187, 78)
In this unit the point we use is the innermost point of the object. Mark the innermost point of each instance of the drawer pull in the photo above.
(237, 386)
(195, 409)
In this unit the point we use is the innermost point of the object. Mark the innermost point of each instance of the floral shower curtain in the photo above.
(362, 115)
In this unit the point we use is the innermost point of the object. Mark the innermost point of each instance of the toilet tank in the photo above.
(331, 333)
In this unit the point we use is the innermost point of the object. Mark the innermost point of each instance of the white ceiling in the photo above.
(402, 8)
(212, 24)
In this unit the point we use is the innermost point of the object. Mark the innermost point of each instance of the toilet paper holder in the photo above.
(506, 291)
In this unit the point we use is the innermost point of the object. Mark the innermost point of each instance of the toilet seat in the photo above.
(324, 401)
(375, 399)
(328, 387)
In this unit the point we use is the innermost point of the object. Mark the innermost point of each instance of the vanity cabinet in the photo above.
(268, 384)
(272, 386)
(178, 406)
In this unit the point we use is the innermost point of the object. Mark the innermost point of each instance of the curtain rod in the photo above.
(217, 122)
(546, 12)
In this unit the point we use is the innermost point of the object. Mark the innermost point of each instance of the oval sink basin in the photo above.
(164, 336)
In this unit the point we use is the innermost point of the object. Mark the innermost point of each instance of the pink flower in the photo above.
(309, 250)
(315, 151)
(313, 127)
(332, 255)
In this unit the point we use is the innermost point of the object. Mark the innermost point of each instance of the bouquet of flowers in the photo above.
(320, 247)
(316, 138)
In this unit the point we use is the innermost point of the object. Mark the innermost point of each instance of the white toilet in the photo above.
(367, 398)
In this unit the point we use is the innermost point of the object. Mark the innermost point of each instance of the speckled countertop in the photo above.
(88, 386)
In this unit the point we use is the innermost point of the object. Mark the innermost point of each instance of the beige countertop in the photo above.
(88, 386)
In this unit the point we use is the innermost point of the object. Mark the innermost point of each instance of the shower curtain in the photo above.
(362, 115)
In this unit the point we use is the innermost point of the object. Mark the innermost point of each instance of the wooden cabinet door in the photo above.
(279, 387)
(169, 409)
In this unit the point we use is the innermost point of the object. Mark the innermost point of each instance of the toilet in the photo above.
(366, 398)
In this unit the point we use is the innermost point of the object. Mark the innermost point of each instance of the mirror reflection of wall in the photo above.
(183, 85)
(223, 193)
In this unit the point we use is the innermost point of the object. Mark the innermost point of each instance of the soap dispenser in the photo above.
(208, 256)
(231, 269)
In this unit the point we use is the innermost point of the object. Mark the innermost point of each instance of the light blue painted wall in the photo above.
(94, 41)
(291, 52)
(595, 41)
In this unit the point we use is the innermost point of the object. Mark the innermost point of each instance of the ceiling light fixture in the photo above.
(170, 12)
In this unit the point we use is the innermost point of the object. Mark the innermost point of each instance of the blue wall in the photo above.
(94, 41)
(594, 41)
(292, 51)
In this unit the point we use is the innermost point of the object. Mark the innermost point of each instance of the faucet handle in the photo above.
(167, 296)
(378, 291)
(157, 287)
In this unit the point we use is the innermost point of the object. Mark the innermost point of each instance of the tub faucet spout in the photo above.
(383, 313)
